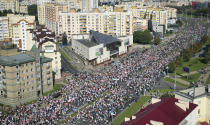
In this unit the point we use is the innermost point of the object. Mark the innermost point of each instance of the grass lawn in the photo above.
(208, 80)
(173, 81)
(55, 88)
(129, 111)
(193, 64)
(65, 55)
(192, 78)
(162, 90)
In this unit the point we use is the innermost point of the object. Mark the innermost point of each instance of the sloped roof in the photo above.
(165, 111)
(15, 60)
(103, 38)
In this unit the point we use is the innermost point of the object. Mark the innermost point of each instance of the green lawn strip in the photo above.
(162, 90)
(65, 55)
(173, 81)
(208, 80)
(55, 88)
(131, 110)
(193, 65)
(191, 78)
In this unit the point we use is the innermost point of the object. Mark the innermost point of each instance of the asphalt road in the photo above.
(161, 84)
(67, 67)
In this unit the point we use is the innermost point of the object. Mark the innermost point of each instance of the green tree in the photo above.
(64, 39)
(157, 41)
(187, 54)
(179, 22)
(32, 10)
(142, 37)
(171, 67)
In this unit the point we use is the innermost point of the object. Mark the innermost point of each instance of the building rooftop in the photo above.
(86, 42)
(168, 111)
(196, 92)
(45, 59)
(15, 60)
(102, 38)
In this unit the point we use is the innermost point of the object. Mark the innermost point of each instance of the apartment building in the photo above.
(114, 23)
(41, 10)
(45, 41)
(4, 29)
(89, 5)
(12, 5)
(171, 13)
(52, 13)
(201, 97)
(23, 9)
(15, 28)
(18, 28)
(24, 77)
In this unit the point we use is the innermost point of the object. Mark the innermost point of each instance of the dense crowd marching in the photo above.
(108, 91)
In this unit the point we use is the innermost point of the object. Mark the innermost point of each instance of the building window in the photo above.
(1, 92)
(198, 111)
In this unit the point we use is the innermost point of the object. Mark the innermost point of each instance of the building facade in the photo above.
(114, 23)
(18, 28)
(4, 29)
(23, 78)
(12, 5)
(51, 15)
(201, 97)
(45, 41)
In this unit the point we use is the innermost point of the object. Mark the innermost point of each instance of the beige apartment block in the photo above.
(114, 23)
(12, 5)
(18, 26)
(49, 49)
(23, 78)
(201, 97)
(52, 13)
(23, 9)
(4, 29)
(45, 41)
(41, 10)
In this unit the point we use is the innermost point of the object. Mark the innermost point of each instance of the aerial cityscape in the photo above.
(104, 62)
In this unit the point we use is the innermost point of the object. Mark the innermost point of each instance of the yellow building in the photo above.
(115, 23)
(12, 5)
(18, 28)
(45, 41)
(51, 15)
(15, 28)
(41, 10)
(4, 29)
(199, 96)
(23, 9)
(24, 77)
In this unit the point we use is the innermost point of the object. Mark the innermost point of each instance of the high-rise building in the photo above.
(4, 29)
(19, 25)
(114, 23)
(52, 11)
(12, 5)
(89, 5)
(41, 10)
(15, 27)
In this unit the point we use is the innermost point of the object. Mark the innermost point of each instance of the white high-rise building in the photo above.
(89, 5)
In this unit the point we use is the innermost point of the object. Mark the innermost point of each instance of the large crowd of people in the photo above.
(104, 94)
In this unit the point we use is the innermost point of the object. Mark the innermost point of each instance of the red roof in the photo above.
(165, 111)
(204, 123)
